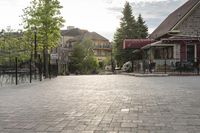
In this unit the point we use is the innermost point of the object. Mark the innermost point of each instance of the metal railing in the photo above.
(17, 71)
(167, 66)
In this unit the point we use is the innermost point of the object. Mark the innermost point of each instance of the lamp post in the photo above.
(132, 62)
(2, 33)
(35, 49)
(198, 57)
(112, 63)
(35, 43)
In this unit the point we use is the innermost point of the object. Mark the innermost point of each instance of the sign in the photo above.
(54, 56)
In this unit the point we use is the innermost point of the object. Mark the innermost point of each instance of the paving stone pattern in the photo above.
(102, 104)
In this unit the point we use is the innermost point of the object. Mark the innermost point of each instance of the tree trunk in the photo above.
(46, 56)
(46, 63)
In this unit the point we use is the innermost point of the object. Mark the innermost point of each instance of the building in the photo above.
(175, 41)
(102, 46)
(71, 36)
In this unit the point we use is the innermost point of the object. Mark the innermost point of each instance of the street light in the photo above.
(2, 37)
(35, 42)
(35, 48)
(112, 63)
(198, 57)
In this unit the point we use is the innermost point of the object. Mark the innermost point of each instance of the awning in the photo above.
(158, 43)
(136, 43)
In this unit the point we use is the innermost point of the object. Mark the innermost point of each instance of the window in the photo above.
(163, 52)
(98, 53)
(190, 53)
(170, 52)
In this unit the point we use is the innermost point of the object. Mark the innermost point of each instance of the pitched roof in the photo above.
(73, 32)
(136, 43)
(94, 36)
(82, 34)
(174, 18)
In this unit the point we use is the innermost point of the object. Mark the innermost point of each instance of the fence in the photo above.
(168, 66)
(14, 70)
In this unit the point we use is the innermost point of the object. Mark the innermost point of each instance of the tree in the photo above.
(127, 30)
(12, 45)
(44, 15)
(90, 64)
(83, 59)
(128, 22)
(142, 29)
(76, 59)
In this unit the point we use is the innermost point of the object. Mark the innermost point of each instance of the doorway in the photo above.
(190, 53)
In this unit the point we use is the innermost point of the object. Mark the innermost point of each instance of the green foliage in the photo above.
(45, 16)
(83, 59)
(76, 59)
(12, 44)
(90, 64)
(129, 29)
(107, 61)
(128, 23)
(142, 29)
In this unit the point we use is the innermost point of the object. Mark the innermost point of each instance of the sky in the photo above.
(101, 16)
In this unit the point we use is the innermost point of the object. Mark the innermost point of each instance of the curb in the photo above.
(146, 75)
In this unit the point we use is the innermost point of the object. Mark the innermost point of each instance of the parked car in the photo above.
(127, 66)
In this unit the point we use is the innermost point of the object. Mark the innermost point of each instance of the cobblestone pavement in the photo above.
(102, 104)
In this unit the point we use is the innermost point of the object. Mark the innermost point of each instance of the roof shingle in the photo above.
(173, 19)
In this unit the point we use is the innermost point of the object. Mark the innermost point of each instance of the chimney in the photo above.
(70, 27)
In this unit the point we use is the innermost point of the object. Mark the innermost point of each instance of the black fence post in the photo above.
(40, 67)
(49, 66)
(31, 69)
(44, 61)
(16, 71)
(132, 65)
(56, 67)
(144, 66)
(198, 66)
(181, 67)
(35, 70)
(165, 66)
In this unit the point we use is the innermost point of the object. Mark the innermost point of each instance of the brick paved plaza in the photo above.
(102, 104)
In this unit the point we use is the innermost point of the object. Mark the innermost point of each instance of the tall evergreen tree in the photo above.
(142, 29)
(127, 30)
(45, 16)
